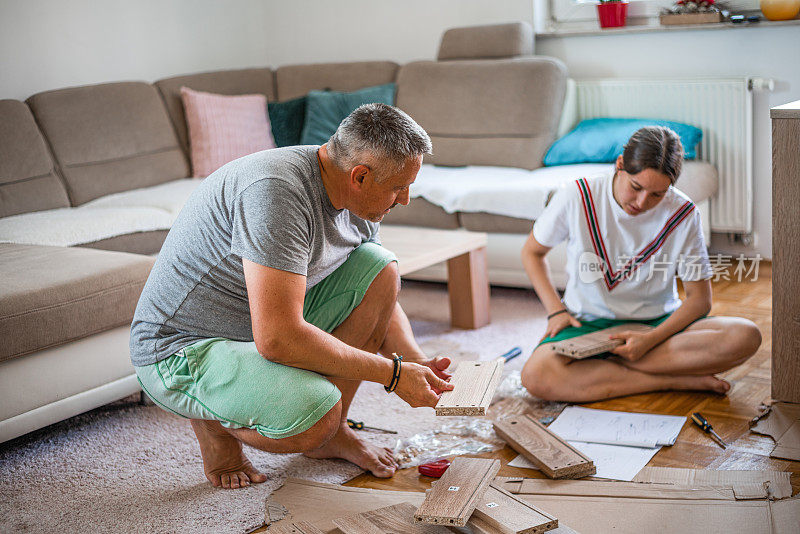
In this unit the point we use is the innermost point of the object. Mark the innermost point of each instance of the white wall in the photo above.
(307, 31)
(48, 44)
(769, 52)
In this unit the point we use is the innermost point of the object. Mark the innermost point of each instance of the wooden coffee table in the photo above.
(465, 253)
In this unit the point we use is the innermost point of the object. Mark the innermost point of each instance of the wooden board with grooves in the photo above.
(554, 456)
(396, 519)
(595, 343)
(474, 383)
(287, 527)
(453, 498)
(505, 513)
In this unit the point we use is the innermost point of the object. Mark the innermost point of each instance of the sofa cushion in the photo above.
(135, 243)
(326, 109)
(129, 212)
(489, 222)
(54, 295)
(481, 112)
(420, 212)
(28, 179)
(488, 41)
(699, 180)
(286, 120)
(223, 128)
(110, 137)
(223, 82)
(293, 81)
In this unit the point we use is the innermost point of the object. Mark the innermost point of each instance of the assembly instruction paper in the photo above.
(617, 428)
(616, 462)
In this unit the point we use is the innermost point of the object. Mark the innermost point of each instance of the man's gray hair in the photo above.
(379, 136)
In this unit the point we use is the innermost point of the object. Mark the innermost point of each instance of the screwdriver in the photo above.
(359, 425)
(705, 426)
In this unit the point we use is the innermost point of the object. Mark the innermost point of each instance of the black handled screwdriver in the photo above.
(705, 426)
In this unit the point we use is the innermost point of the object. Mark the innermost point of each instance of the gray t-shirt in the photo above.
(271, 208)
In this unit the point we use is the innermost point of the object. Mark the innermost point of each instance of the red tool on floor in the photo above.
(434, 469)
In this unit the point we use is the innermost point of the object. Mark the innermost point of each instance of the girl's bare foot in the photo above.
(703, 383)
(345, 444)
(224, 462)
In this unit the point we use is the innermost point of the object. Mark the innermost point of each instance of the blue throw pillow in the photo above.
(326, 109)
(602, 140)
(286, 119)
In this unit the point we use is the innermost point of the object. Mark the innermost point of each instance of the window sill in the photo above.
(577, 29)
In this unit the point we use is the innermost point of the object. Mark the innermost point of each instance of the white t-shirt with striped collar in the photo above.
(622, 266)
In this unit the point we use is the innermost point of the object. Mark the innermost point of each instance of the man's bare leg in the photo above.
(708, 346)
(224, 461)
(365, 328)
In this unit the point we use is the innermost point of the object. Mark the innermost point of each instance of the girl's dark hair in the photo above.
(654, 147)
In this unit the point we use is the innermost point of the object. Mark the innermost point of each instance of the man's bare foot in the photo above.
(704, 383)
(224, 462)
(345, 444)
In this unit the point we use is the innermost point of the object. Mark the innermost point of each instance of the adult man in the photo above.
(271, 297)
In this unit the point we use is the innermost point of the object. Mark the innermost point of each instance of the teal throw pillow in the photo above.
(287, 120)
(326, 109)
(602, 140)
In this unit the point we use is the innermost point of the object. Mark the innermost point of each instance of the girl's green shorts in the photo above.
(229, 381)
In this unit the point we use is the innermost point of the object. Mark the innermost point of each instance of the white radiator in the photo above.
(721, 107)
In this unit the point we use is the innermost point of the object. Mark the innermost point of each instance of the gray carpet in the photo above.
(132, 468)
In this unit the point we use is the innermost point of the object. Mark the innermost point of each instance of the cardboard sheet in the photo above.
(744, 483)
(782, 423)
(320, 503)
(631, 507)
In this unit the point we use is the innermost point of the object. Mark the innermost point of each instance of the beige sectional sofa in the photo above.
(92, 177)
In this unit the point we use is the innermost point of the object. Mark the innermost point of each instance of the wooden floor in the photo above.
(729, 415)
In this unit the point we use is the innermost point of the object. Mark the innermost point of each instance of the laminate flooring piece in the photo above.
(508, 514)
(396, 519)
(453, 498)
(555, 457)
(301, 527)
(474, 383)
(596, 342)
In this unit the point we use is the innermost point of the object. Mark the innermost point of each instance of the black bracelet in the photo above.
(559, 312)
(396, 361)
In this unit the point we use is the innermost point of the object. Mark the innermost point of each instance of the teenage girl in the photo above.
(629, 237)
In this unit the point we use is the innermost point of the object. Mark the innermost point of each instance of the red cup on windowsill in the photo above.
(612, 14)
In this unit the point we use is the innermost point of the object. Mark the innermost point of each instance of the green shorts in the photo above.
(587, 327)
(229, 381)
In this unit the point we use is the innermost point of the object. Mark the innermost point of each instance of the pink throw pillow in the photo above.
(223, 128)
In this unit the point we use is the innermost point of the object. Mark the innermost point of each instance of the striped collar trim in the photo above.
(611, 277)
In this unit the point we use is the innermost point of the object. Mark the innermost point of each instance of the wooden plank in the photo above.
(596, 342)
(396, 519)
(785, 259)
(554, 456)
(468, 288)
(474, 383)
(453, 498)
(286, 527)
(509, 514)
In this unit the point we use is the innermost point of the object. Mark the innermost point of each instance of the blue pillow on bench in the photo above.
(602, 140)
(326, 109)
